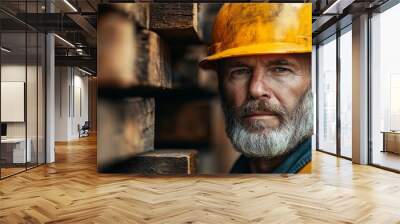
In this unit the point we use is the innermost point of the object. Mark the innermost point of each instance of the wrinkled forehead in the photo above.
(296, 60)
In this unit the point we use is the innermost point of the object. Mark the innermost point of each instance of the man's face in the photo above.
(265, 98)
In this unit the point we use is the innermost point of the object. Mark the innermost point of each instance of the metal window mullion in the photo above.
(73, 92)
(338, 98)
(317, 96)
(45, 94)
(26, 87)
(37, 91)
(369, 100)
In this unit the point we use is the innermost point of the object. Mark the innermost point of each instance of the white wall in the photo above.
(12, 73)
(71, 93)
(62, 80)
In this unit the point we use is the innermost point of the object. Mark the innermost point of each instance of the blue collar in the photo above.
(294, 161)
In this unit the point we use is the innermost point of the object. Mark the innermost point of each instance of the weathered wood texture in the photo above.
(129, 56)
(159, 162)
(176, 21)
(186, 70)
(126, 128)
(153, 61)
(139, 12)
(182, 123)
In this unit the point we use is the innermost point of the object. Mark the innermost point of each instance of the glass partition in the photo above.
(22, 64)
(14, 152)
(346, 92)
(31, 100)
(327, 95)
(385, 89)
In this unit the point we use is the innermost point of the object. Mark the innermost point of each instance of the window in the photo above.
(327, 96)
(385, 88)
(346, 92)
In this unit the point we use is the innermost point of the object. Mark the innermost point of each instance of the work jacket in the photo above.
(298, 161)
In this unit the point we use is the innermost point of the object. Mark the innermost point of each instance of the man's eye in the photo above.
(240, 72)
(281, 70)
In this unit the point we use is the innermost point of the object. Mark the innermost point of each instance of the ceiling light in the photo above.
(65, 41)
(5, 50)
(337, 7)
(70, 5)
(84, 71)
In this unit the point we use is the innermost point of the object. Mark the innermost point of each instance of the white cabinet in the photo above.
(18, 149)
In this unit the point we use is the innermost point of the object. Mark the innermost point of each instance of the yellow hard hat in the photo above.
(242, 29)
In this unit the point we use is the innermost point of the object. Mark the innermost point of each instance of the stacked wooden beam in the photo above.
(134, 49)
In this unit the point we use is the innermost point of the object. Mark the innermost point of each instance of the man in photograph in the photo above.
(262, 54)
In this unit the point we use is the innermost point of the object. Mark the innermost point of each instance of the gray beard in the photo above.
(293, 129)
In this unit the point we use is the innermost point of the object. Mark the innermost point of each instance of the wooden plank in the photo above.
(182, 123)
(159, 162)
(125, 128)
(153, 61)
(130, 57)
(176, 21)
(139, 12)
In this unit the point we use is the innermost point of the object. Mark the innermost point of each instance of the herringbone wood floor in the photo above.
(71, 191)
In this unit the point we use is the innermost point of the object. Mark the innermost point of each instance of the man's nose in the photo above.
(259, 86)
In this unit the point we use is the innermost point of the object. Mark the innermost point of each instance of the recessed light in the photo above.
(84, 71)
(70, 5)
(64, 40)
(5, 50)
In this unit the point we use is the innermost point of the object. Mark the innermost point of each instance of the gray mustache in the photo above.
(256, 106)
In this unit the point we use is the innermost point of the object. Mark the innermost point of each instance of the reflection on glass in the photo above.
(327, 96)
(14, 153)
(385, 86)
(22, 90)
(346, 94)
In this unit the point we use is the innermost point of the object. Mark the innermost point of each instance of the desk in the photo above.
(391, 141)
(13, 150)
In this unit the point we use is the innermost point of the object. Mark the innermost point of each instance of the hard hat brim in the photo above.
(256, 49)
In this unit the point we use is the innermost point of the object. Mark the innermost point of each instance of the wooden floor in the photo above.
(10, 171)
(71, 191)
(386, 159)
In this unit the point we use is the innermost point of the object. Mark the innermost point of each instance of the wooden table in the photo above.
(391, 141)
